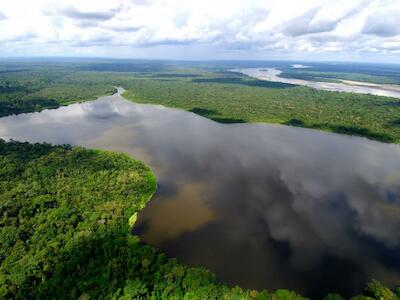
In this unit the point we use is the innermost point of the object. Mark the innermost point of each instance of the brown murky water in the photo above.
(263, 206)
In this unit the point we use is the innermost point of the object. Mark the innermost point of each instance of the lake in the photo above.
(262, 206)
(349, 86)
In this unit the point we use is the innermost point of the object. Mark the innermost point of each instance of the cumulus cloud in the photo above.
(303, 25)
(72, 12)
(322, 18)
(384, 24)
(258, 28)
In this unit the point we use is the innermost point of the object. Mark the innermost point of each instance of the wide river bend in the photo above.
(263, 206)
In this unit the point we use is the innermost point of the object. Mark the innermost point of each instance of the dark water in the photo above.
(262, 206)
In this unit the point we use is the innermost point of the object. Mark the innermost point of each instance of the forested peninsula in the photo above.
(66, 214)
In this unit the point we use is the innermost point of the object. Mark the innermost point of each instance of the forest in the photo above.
(41, 87)
(230, 97)
(66, 214)
(208, 89)
(373, 73)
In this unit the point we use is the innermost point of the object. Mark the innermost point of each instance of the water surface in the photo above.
(349, 86)
(263, 206)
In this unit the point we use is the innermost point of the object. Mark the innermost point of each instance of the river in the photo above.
(349, 86)
(262, 206)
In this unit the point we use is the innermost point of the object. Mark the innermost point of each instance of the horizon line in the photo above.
(16, 57)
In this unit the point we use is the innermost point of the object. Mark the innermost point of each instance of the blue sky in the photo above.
(350, 30)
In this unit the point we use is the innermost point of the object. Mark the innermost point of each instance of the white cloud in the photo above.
(385, 21)
(253, 28)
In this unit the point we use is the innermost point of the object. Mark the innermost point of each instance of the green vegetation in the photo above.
(64, 219)
(65, 232)
(229, 97)
(337, 76)
(35, 89)
(206, 89)
(374, 73)
(29, 86)
(65, 215)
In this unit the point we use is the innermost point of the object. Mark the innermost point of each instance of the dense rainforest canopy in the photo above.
(66, 212)
(65, 215)
(207, 89)
(65, 219)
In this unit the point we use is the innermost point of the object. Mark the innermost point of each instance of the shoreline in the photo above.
(347, 86)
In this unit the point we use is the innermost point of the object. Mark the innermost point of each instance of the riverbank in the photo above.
(73, 204)
(65, 232)
(208, 90)
(348, 86)
(235, 98)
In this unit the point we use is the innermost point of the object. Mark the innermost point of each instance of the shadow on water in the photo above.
(227, 120)
(215, 115)
(349, 130)
(241, 81)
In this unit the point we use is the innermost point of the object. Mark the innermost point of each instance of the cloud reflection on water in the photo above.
(264, 206)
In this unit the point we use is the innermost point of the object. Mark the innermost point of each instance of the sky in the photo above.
(348, 30)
